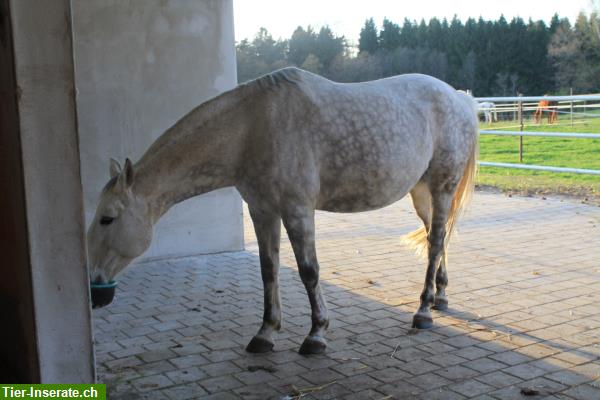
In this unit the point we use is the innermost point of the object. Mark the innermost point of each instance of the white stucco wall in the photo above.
(140, 65)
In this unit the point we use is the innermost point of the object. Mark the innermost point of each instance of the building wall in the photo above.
(140, 66)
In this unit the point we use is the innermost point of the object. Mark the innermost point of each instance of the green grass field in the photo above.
(557, 152)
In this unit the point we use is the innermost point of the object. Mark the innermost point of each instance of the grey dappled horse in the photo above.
(489, 111)
(292, 142)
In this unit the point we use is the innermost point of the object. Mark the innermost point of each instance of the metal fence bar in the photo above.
(544, 134)
(540, 168)
(538, 98)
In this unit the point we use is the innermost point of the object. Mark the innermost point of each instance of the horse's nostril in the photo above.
(98, 280)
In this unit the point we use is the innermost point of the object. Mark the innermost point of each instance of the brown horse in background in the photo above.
(550, 108)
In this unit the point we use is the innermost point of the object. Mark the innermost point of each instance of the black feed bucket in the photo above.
(102, 293)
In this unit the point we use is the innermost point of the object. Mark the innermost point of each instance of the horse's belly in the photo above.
(355, 203)
(355, 195)
(375, 172)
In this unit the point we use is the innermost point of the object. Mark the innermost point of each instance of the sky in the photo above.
(346, 17)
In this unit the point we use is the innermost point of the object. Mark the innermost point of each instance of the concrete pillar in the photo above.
(18, 349)
(49, 224)
(140, 66)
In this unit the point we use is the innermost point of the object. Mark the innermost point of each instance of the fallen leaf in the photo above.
(529, 392)
(268, 368)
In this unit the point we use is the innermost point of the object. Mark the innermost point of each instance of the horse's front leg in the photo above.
(268, 233)
(300, 226)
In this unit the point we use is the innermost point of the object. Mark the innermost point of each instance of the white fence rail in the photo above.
(586, 97)
(541, 168)
(545, 134)
(517, 106)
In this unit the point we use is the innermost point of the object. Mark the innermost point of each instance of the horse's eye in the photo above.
(106, 220)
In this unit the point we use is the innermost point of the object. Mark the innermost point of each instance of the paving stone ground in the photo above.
(524, 314)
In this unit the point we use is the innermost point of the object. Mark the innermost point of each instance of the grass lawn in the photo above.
(557, 152)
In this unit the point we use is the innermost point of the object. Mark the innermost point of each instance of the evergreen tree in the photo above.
(368, 37)
(435, 37)
(456, 50)
(554, 23)
(328, 46)
(422, 34)
(301, 44)
(389, 37)
(466, 75)
(267, 48)
(408, 35)
(535, 70)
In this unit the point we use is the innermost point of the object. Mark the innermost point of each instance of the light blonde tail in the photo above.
(417, 240)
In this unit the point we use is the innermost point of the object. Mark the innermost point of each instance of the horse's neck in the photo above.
(200, 153)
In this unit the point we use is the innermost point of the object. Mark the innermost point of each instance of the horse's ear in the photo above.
(115, 168)
(127, 173)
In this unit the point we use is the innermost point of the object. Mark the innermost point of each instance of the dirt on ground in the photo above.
(579, 194)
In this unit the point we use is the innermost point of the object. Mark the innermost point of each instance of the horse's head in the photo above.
(122, 227)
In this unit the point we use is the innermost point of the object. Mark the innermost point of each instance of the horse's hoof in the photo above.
(259, 345)
(313, 345)
(422, 321)
(440, 304)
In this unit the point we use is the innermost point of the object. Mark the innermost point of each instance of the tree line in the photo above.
(490, 58)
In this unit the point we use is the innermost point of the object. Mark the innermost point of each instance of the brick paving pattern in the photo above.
(524, 314)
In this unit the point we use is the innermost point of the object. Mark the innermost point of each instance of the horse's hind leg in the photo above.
(300, 226)
(421, 198)
(268, 233)
(441, 203)
(441, 281)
